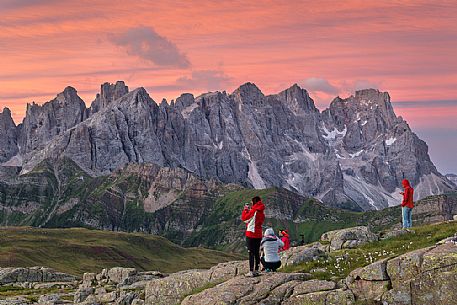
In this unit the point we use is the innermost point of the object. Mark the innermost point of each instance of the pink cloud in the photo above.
(406, 48)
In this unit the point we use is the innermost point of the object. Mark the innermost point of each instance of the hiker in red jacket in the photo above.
(254, 217)
(285, 239)
(407, 204)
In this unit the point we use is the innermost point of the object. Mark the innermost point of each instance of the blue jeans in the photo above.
(407, 214)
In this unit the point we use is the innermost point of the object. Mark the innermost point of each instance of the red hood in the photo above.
(258, 206)
(285, 233)
(405, 183)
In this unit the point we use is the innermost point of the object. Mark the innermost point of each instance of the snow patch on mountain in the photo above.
(331, 135)
(357, 154)
(452, 178)
(390, 141)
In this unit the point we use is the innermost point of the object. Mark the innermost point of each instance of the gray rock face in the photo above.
(108, 94)
(43, 123)
(8, 136)
(376, 150)
(436, 209)
(357, 151)
(33, 274)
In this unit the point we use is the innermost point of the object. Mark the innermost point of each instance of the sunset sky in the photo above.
(330, 48)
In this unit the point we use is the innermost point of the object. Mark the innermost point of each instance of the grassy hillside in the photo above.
(79, 250)
(193, 212)
(340, 263)
(301, 216)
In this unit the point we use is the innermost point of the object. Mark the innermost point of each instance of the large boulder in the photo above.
(348, 238)
(173, 288)
(405, 268)
(33, 274)
(121, 275)
(297, 255)
(15, 301)
(116, 285)
(370, 282)
(424, 276)
(438, 275)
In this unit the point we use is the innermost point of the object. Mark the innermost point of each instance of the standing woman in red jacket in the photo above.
(254, 217)
(407, 204)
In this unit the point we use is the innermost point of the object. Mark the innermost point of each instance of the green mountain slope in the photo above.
(177, 205)
(79, 250)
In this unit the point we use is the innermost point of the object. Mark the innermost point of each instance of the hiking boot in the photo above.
(256, 273)
(250, 274)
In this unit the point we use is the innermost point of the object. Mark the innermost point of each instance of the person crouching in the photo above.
(270, 246)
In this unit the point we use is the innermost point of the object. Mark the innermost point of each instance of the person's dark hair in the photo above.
(256, 199)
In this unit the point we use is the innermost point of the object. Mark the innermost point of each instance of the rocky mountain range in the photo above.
(352, 155)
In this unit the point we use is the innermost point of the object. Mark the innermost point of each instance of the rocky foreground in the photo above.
(423, 276)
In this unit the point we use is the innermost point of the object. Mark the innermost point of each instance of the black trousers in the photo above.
(271, 266)
(253, 245)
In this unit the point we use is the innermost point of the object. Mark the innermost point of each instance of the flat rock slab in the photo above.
(33, 275)
(245, 290)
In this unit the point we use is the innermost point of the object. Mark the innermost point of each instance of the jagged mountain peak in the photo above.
(6, 112)
(365, 105)
(42, 122)
(248, 93)
(184, 100)
(164, 103)
(355, 152)
(140, 94)
(8, 136)
(69, 90)
(68, 96)
(368, 91)
(297, 99)
(113, 91)
(108, 93)
(364, 98)
(248, 86)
